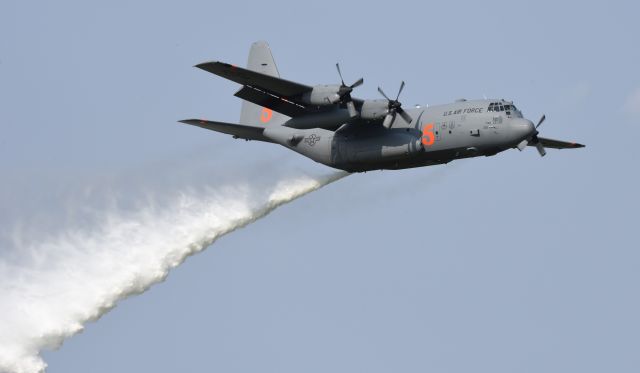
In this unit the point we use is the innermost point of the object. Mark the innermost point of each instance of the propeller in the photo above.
(533, 140)
(541, 120)
(394, 107)
(345, 92)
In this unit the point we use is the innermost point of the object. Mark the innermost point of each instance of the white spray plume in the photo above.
(52, 287)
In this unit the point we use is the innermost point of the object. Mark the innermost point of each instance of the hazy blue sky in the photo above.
(502, 264)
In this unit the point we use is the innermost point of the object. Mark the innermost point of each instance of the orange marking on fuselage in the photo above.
(427, 135)
(266, 115)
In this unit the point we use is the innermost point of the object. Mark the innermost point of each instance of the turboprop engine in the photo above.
(374, 109)
(387, 109)
(330, 94)
(323, 95)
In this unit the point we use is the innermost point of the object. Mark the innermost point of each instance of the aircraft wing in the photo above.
(267, 83)
(557, 144)
(237, 130)
(261, 98)
(275, 93)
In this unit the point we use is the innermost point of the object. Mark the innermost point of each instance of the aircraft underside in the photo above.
(420, 159)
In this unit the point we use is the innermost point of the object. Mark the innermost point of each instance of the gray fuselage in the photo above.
(437, 134)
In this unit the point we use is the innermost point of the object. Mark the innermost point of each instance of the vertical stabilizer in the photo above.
(261, 60)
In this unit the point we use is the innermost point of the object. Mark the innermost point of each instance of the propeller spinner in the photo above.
(533, 140)
(395, 107)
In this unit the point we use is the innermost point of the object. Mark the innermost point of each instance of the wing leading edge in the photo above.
(270, 84)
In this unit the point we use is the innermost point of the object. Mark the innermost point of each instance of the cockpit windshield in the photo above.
(503, 106)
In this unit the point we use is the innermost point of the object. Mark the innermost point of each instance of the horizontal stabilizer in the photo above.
(557, 144)
(236, 130)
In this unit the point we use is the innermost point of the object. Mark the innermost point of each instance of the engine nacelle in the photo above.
(322, 95)
(374, 109)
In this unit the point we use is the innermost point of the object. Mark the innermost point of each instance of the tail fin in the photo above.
(261, 60)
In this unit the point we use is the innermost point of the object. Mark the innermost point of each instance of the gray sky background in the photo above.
(502, 264)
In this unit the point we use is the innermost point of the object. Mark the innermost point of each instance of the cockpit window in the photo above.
(498, 106)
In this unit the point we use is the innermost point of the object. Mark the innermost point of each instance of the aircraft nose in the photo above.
(524, 128)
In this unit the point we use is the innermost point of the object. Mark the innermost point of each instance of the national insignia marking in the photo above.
(312, 140)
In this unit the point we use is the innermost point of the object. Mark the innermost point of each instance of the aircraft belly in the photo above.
(403, 149)
(374, 151)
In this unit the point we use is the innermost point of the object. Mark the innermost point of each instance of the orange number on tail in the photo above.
(266, 115)
(427, 135)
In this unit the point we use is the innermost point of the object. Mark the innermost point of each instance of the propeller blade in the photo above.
(523, 144)
(400, 90)
(407, 118)
(358, 83)
(382, 93)
(540, 121)
(388, 120)
(340, 73)
(540, 149)
(352, 109)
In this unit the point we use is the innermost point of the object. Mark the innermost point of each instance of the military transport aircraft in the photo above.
(328, 125)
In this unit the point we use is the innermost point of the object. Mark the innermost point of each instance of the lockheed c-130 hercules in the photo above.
(328, 125)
